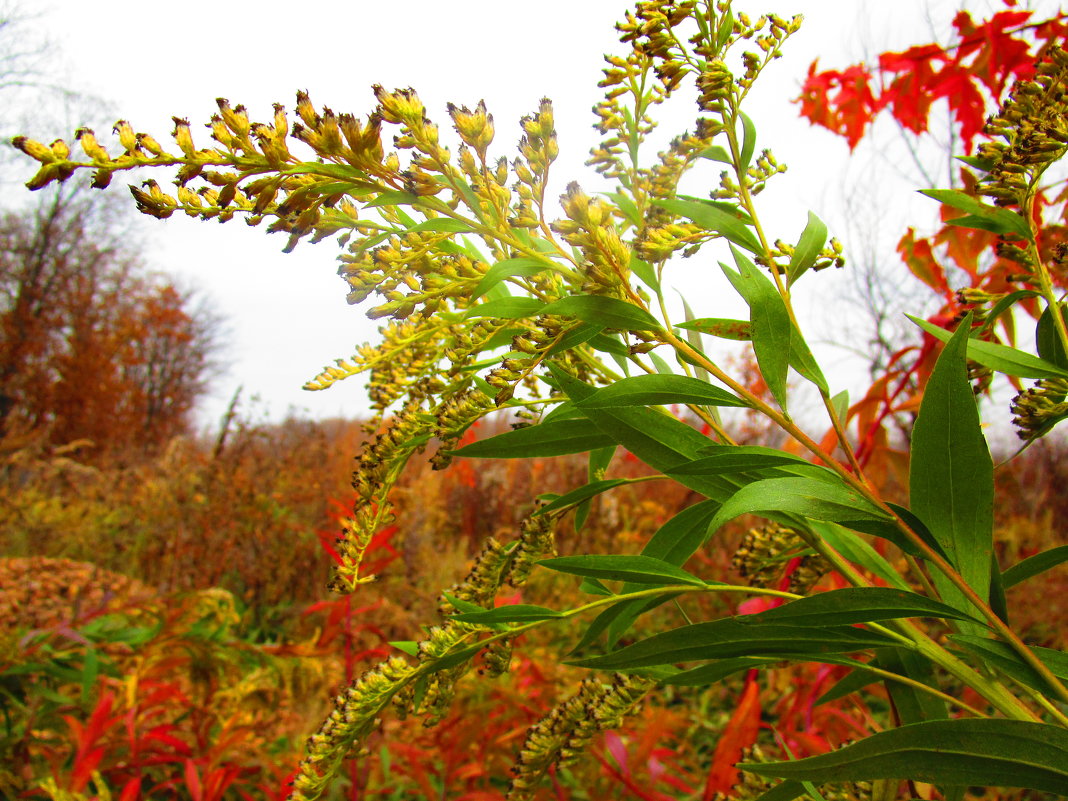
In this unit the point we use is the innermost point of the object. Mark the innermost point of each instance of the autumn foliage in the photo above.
(198, 680)
(94, 348)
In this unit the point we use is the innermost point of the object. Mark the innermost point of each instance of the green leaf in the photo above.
(657, 390)
(855, 605)
(802, 360)
(726, 28)
(1048, 341)
(970, 751)
(1033, 565)
(581, 494)
(737, 459)
(440, 225)
(625, 205)
(621, 567)
(986, 165)
(854, 548)
(980, 215)
(840, 402)
(523, 266)
(999, 357)
(951, 474)
(546, 439)
(728, 638)
(888, 530)
(575, 337)
(393, 198)
(738, 330)
(714, 220)
(716, 671)
(680, 537)
(515, 613)
(604, 311)
(808, 248)
(607, 343)
(644, 272)
(913, 705)
(770, 323)
(507, 308)
(749, 137)
(1004, 658)
(410, 647)
(716, 153)
(808, 497)
(657, 438)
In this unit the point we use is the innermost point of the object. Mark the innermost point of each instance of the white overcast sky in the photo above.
(286, 314)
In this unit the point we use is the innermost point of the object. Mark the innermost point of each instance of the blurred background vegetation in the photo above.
(165, 631)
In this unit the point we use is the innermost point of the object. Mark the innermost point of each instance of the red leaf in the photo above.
(192, 781)
(131, 791)
(740, 733)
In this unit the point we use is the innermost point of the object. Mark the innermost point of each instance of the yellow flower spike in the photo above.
(401, 105)
(330, 134)
(236, 119)
(474, 127)
(150, 144)
(34, 149)
(281, 122)
(87, 139)
(220, 133)
(60, 149)
(306, 111)
(184, 137)
(127, 137)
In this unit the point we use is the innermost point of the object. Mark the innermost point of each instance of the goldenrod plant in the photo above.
(493, 303)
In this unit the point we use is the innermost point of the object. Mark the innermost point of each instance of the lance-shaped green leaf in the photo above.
(980, 215)
(913, 705)
(814, 498)
(738, 330)
(680, 537)
(729, 638)
(674, 542)
(770, 323)
(714, 672)
(854, 548)
(440, 225)
(1033, 565)
(621, 567)
(716, 153)
(546, 439)
(604, 311)
(1004, 658)
(1001, 358)
(523, 266)
(808, 247)
(1048, 341)
(718, 459)
(970, 751)
(749, 138)
(855, 605)
(951, 474)
(515, 613)
(580, 494)
(645, 273)
(655, 437)
(656, 390)
(507, 308)
(574, 337)
(713, 219)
